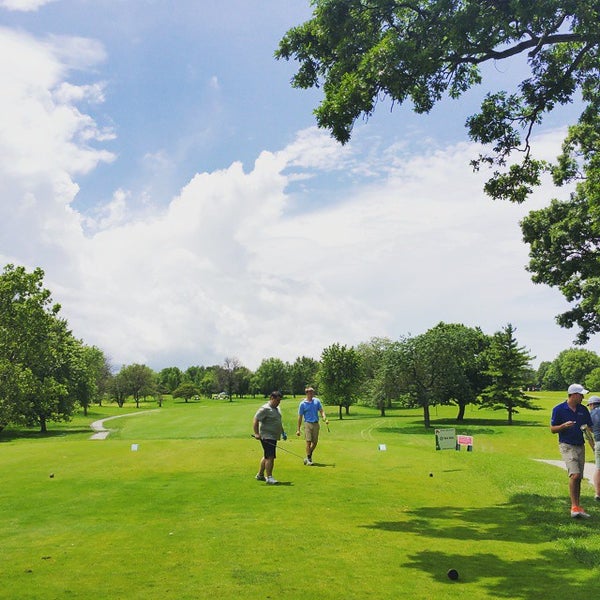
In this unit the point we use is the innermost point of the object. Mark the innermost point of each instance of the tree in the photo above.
(376, 388)
(227, 375)
(38, 354)
(137, 381)
(169, 378)
(303, 372)
(339, 377)
(186, 391)
(440, 366)
(92, 374)
(509, 368)
(272, 374)
(570, 366)
(592, 381)
(364, 51)
(564, 237)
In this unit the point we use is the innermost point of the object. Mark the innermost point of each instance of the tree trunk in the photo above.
(43, 428)
(340, 407)
(461, 412)
(426, 417)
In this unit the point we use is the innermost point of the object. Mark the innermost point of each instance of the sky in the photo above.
(156, 163)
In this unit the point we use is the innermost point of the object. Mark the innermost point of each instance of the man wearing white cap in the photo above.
(567, 420)
(594, 408)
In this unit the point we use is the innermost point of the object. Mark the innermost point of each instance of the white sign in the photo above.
(445, 439)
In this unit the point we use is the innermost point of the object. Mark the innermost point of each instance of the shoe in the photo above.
(260, 477)
(307, 462)
(271, 481)
(578, 512)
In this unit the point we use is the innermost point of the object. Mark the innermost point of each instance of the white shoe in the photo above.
(307, 462)
(271, 481)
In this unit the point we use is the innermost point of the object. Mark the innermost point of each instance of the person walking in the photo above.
(309, 410)
(594, 408)
(267, 426)
(567, 420)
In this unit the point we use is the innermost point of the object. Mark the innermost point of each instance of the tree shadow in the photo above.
(13, 435)
(525, 518)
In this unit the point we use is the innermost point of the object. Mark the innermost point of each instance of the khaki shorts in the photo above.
(574, 457)
(597, 454)
(311, 432)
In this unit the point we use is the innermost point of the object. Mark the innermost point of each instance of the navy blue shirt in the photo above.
(562, 413)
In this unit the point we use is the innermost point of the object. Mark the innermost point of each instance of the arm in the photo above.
(255, 428)
(557, 428)
(299, 424)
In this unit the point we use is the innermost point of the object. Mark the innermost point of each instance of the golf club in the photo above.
(281, 448)
(589, 436)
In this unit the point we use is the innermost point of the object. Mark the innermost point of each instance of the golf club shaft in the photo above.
(281, 448)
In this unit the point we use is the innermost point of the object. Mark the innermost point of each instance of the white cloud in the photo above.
(24, 5)
(225, 269)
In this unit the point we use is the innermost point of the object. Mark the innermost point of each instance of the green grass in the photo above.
(184, 518)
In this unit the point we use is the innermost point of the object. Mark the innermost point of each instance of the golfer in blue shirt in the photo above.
(309, 410)
(567, 420)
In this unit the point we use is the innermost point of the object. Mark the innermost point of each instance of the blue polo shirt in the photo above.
(562, 413)
(310, 410)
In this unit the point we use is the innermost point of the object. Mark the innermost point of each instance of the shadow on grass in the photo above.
(466, 427)
(323, 465)
(12, 435)
(525, 519)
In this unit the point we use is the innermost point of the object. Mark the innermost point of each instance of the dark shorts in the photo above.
(269, 448)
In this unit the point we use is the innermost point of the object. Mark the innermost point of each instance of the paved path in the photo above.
(588, 470)
(102, 433)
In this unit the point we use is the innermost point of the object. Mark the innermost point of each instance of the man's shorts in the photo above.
(597, 454)
(574, 457)
(269, 448)
(311, 432)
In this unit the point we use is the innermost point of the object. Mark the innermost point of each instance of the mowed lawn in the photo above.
(183, 517)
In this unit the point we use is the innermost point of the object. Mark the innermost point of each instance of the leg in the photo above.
(269, 463)
(575, 488)
(261, 469)
(597, 482)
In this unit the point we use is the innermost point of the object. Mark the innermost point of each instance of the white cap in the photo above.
(576, 388)
(593, 400)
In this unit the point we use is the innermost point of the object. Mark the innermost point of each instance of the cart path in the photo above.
(588, 470)
(102, 433)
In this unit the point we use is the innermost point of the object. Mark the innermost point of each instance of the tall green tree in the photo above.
(38, 353)
(303, 372)
(376, 385)
(363, 51)
(169, 379)
(92, 375)
(360, 52)
(186, 390)
(272, 374)
(138, 381)
(339, 376)
(441, 366)
(510, 370)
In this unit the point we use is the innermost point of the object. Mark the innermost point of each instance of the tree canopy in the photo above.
(362, 52)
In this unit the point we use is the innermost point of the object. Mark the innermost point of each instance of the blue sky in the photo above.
(157, 164)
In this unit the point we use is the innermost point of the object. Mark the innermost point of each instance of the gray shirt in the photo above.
(270, 424)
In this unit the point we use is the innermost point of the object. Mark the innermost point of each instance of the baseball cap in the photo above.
(576, 388)
(593, 400)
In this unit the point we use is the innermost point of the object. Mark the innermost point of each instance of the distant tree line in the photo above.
(46, 373)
